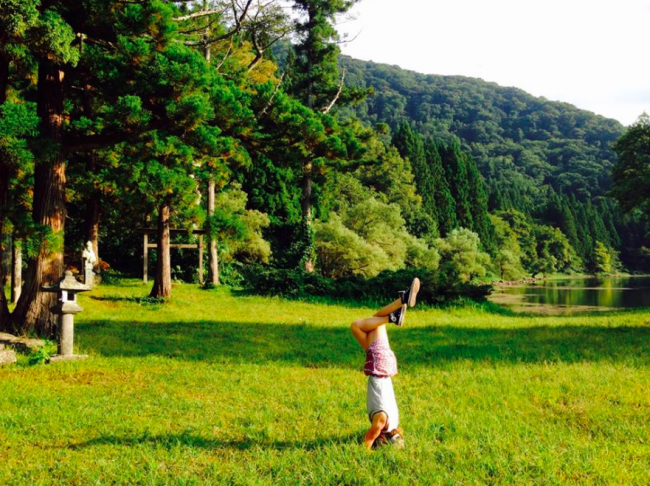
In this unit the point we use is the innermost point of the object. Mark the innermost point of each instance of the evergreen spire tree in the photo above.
(316, 75)
(585, 247)
(410, 146)
(478, 203)
(456, 173)
(443, 200)
(566, 221)
(316, 82)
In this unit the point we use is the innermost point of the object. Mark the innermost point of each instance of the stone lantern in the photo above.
(66, 307)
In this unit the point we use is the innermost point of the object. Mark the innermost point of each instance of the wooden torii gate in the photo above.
(154, 231)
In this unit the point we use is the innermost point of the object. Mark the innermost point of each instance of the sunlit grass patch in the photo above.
(217, 387)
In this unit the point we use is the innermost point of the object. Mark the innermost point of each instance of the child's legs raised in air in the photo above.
(392, 307)
(366, 331)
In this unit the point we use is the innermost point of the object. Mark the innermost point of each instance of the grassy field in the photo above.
(221, 388)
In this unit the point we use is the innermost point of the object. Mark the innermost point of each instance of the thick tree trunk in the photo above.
(162, 286)
(306, 207)
(16, 270)
(32, 313)
(213, 257)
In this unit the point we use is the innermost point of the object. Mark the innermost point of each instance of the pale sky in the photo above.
(591, 53)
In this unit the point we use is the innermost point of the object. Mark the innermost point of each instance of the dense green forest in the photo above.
(309, 174)
(548, 160)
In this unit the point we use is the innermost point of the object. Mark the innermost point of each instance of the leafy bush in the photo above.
(368, 238)
(462, 261)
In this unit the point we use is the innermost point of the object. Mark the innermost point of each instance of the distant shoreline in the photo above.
(533, 280)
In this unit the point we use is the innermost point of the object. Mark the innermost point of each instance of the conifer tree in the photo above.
(585, 240)
(481, 223)
(567, 221)
(50, 41)
(410, 146)
(142, 81)
(316, 83)
(458, 180)
(443, 200)
(17, 118)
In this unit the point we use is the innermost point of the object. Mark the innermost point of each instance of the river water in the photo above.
(558, 296)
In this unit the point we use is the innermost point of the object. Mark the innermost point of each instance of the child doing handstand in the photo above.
(380, 365)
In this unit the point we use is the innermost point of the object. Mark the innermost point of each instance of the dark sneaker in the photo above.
(397, 316)
(409, 296)
(393, 438)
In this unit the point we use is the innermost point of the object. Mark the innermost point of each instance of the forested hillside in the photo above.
(517, 140)
(549, 160)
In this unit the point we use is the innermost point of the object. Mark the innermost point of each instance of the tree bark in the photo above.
(162, 286)
(213, 256)
(32, 312)
(305, 203)
(16, 270)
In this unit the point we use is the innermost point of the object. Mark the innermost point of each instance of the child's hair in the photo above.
(395, 438)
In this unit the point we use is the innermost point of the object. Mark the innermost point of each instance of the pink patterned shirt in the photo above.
(380, 360)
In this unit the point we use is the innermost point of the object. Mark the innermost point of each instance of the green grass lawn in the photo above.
(221, 388)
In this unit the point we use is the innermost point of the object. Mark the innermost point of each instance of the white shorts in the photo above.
(381, 398)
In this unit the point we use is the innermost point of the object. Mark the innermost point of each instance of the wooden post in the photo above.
(201, 259)
(145, 258)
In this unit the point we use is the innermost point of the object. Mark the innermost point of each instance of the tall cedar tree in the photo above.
(141, 79)
(17, 20)
(443, 200)
(453, 161)
(316, 82)
(50, 42)
(410, 146)
(292, 133)
(478, 203)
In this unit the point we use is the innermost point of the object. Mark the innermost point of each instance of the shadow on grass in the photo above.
(170, 441)
(317, 346)
(134, 300)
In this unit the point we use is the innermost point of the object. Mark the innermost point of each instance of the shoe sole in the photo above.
(415, 288)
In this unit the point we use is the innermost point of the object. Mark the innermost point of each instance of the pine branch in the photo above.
(275, 91)
(202, 13)
(338, 93)
(239, 20)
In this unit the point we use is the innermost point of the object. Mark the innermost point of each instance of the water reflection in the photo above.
(584, 294)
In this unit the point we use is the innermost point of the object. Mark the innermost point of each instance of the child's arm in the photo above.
(379, 421)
